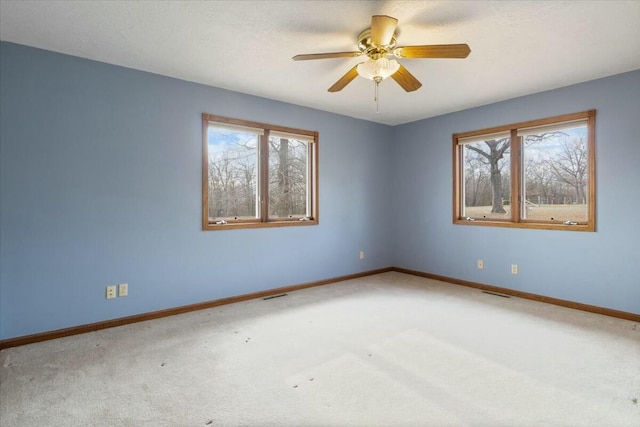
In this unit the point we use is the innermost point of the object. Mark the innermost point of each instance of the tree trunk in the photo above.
(496, 187)
(580, 197)
(283, 178)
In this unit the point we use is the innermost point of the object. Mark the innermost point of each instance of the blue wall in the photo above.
(601, 268)
(101, 184)
(100, 174)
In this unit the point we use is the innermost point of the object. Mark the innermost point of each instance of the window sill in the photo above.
(270, 224)
(533, 225)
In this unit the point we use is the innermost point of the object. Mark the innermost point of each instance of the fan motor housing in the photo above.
(366, 46)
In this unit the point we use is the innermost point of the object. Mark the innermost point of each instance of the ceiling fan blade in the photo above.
(406, 79)
(326, 55)
(344, 80)
(382, 29)
(433, 51)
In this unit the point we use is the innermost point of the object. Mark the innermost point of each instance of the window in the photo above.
(257, 175)
(538, 174)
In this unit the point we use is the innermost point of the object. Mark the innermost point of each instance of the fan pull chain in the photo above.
(376, 97)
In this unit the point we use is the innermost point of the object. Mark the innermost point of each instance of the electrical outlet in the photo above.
(514, 268)
(361, 254)
(123, 289)
(111, 291)
(480, 264)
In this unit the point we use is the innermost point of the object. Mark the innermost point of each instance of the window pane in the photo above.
(555, 174)
(487, 179)
(233, 166)
(288, 177)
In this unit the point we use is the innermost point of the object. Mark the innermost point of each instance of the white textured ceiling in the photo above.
(517, 47)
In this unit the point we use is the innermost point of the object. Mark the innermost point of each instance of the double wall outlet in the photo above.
(111, 291)
(361, 254)
(514, 268)
(480, 264)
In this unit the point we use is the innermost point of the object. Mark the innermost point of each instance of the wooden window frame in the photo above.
(263, 177)
(516, 220)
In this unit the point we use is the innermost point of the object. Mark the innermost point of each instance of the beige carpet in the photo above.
(385, 350)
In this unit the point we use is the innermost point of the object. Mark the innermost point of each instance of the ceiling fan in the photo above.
(378, 42)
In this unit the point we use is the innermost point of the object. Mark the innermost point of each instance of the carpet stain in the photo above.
(208, 423)
(295, 386)
(635, 400)
(163, 364)
(274, 296)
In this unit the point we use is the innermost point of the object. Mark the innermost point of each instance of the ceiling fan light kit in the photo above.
(377, 43)
(377, 69)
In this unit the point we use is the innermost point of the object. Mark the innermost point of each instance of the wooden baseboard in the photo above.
(75, 330)
(549, 300)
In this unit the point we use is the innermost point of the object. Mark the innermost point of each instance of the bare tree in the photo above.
(287, 177)
(232, 180)
(549, 173)
(475, 179)
(569, 165)
(282, 206)
(233, 166)
(496, 151)
(539, 180)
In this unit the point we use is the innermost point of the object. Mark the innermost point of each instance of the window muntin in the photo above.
(548, 168)
(257, 175)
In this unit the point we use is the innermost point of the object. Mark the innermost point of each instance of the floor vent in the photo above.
(498, 295)
(274, 296)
